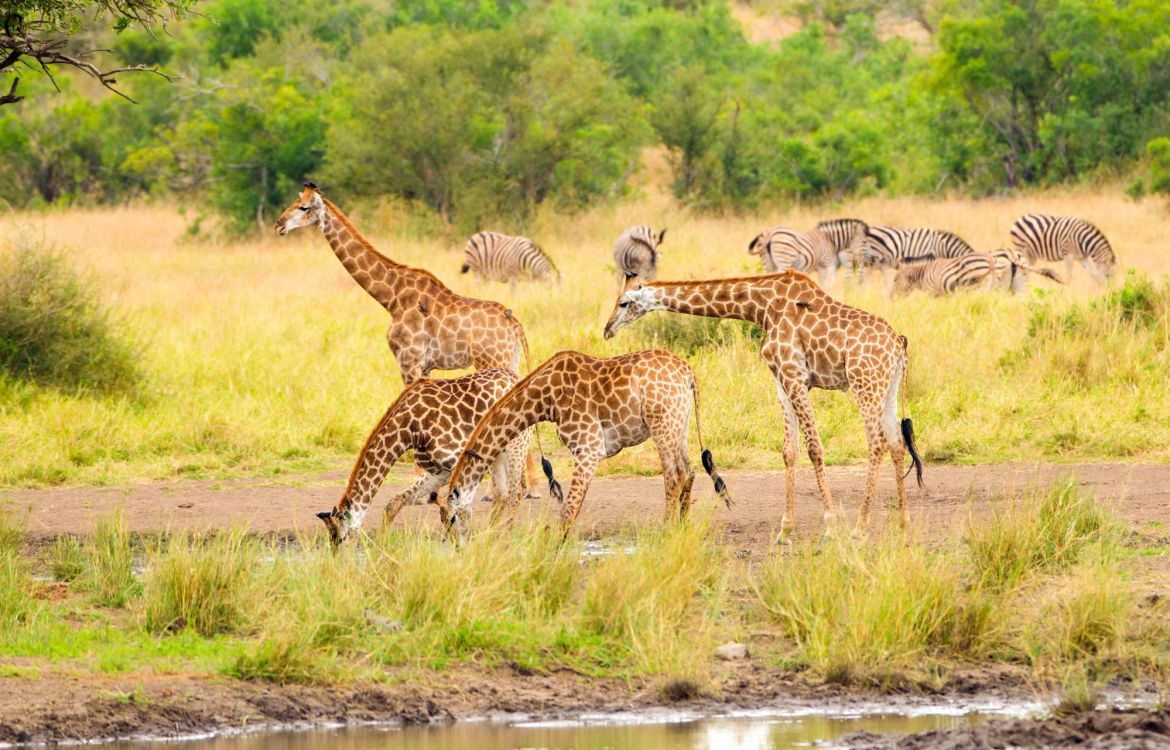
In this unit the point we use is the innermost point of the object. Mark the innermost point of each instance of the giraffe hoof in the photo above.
(860, 532)
(487, 498)
(532, 495)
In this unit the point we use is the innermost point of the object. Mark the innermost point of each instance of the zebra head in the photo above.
(308, 208)
(634, 301)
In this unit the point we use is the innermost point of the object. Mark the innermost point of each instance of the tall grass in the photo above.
(204, 585)
(293, 380)
(109, 566)
(15, 605)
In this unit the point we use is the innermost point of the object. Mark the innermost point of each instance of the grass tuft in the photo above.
(109, 573)
(204, 585)
(66, 558)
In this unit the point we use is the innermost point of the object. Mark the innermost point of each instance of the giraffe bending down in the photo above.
(432, 327)
(434, 418)
(810, 341)
(600, 406)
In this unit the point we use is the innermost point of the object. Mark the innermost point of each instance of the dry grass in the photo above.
(263, 357)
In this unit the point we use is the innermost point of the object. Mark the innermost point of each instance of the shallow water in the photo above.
(646, 731)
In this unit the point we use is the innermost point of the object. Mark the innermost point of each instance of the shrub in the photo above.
(204, 586)
(109, 574)
(54, 328)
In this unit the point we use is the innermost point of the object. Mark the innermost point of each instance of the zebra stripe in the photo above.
(781, 249)
(847, 236)
(637, 251)
(501, 257)
(941, 276)
(889, 247)
(1067, 238)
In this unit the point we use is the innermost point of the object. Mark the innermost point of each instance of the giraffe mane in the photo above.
(734, 279)
(374, 433)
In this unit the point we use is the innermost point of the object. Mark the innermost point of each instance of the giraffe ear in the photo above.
(325, 515)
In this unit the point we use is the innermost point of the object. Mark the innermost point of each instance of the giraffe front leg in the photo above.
(798, 395)
(417, 493)
(585, 467)
(508, 481)
(788, 520)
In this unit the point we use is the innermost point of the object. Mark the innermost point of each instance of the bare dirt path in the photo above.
(1140, 494)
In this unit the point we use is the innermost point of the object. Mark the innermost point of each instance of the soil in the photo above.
(62, 705)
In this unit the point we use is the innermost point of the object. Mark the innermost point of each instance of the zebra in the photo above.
(1067, 238)
(781, 249)
(636, 252)
(1012, 270)
(847, 236)
(941, 276)
(886, 247)
(501, 257)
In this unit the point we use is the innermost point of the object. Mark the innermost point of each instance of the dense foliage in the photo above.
(482, 111)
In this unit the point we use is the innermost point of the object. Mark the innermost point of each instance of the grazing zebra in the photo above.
(847, 236)
(1067, 238)
(637, 252)
(781, 249)
(941, 276)
(1012, 271)
(887, 247)
(501, 257)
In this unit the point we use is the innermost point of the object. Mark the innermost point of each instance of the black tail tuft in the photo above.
(554, 487)
(720, 485)
(465, 268)
(908, 439)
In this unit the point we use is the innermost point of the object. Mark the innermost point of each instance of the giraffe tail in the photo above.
(907, 423)
(707, 458)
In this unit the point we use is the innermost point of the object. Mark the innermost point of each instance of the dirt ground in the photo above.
(68, 706)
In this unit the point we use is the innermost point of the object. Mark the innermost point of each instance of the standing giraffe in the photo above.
(600, 406)
(434, 418)
(810, 341)
(432, 327)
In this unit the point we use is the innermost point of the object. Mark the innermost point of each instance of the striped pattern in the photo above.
(889, 247)
(501, 257)
(1053, 238)
(782, 249)
(847, 236)
(1012, 270)
(637, 252)
(941, 276)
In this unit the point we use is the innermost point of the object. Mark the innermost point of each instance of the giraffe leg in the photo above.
(676, 469)
(417, 493)
(508, 479)
(583, 470)
(892, 431)
(802, 405)
(871, 416)
(788, 521)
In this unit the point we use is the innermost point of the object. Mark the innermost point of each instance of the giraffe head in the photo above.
(308, 208)
(340, 523)
(634, 301)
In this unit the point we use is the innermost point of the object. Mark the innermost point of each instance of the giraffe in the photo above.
(434, 418)
(810, 341)
(432, 328)
(600, 407)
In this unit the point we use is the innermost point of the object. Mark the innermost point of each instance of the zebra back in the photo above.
(1054, 238)
(844, 234)
(781, 249)
(944, 275)
(889, 247)
(636, 251)
(502, 257)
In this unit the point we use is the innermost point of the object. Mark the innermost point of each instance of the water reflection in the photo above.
(751, 732)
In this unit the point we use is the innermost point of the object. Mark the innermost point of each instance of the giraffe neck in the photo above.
(389, 440)
(382, 278)
(532, 401)
(720, 298)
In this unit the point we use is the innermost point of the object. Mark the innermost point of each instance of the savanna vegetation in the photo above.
(1044, 585)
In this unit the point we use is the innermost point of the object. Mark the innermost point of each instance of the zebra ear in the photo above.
(631, 275)
(753, 243)
(661, 235)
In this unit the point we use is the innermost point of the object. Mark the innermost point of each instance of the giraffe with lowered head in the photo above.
(810, 341)
(600, 407)
(432, 327)
(433, 418)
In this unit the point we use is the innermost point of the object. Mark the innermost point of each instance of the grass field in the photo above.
(1044, 584)
(264, 358)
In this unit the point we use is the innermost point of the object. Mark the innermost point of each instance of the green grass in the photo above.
(203, 585)
(109, 562)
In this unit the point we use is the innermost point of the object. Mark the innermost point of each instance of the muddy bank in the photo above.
(1111, 729)
(65, 707)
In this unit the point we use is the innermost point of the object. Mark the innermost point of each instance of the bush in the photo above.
(54, 328)
(204, 586)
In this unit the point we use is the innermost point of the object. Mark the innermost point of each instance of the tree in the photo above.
(36, 35)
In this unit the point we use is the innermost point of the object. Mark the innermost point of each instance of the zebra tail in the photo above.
(707, 459)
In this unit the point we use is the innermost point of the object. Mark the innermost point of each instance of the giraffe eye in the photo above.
(304, 208)
(624, 304)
